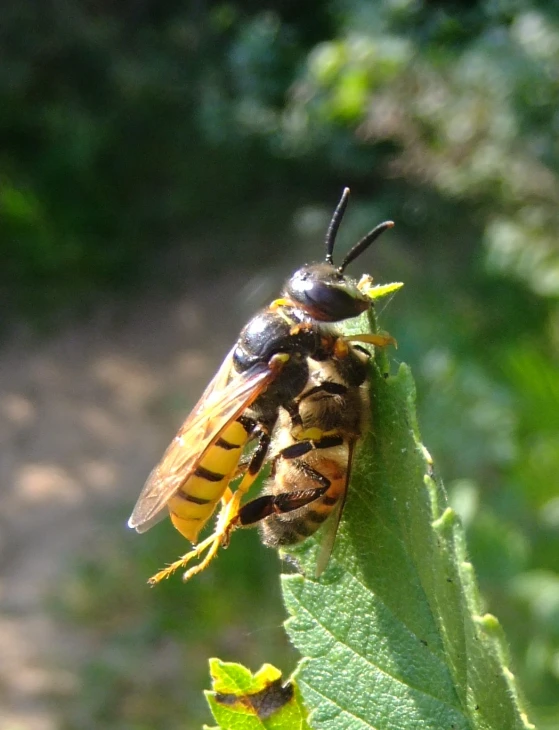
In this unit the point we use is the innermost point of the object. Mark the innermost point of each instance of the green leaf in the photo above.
(243, 701)
(393, 634)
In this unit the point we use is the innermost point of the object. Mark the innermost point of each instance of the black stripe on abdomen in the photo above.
(209, 476)
(227, 445)
(192, 498)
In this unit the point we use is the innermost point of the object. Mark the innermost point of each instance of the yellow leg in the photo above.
(370, 339)
(197, 551)
(226, 522)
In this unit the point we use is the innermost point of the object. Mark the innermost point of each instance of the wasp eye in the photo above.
(325, 293)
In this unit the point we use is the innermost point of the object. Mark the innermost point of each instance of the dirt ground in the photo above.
(83, 420)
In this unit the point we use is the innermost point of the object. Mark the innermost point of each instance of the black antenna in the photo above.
(364, 243)
(335, 224)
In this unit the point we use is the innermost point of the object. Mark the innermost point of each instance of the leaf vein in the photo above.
(370, 663)
(365, 722)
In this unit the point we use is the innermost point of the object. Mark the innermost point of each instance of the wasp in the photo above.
(293, 387)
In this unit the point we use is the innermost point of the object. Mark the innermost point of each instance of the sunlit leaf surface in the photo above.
(393, 634)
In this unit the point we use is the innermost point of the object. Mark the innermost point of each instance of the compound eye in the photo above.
(325, 294)
(329, 303)
(322, 295)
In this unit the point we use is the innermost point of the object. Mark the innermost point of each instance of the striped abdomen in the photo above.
(292, 527)
(194, 503)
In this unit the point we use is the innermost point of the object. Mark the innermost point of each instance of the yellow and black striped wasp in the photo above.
(289, 387)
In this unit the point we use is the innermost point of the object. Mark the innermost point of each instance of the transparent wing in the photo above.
(330, 529)
(224, 400)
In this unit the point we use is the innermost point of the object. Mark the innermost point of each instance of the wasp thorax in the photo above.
(325, 293)
(268, 334)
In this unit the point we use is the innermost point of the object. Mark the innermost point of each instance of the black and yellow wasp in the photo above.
(293, 387)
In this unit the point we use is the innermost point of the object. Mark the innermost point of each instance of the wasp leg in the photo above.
(292, 409)
(300, 448)
(370, 339)
(269, 504)
(226, 521)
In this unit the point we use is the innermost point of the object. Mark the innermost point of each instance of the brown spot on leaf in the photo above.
(263, 704)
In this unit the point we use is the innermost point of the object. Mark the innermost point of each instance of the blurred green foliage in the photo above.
(109, 144)
(126, 127)
(148, 649)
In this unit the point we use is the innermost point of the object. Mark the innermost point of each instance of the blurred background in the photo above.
(163, 164)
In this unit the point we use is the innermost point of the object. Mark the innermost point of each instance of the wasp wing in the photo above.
(330, 529)
(224, 400)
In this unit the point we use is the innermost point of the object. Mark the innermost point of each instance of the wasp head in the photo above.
(323, 290)
(325, 293)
